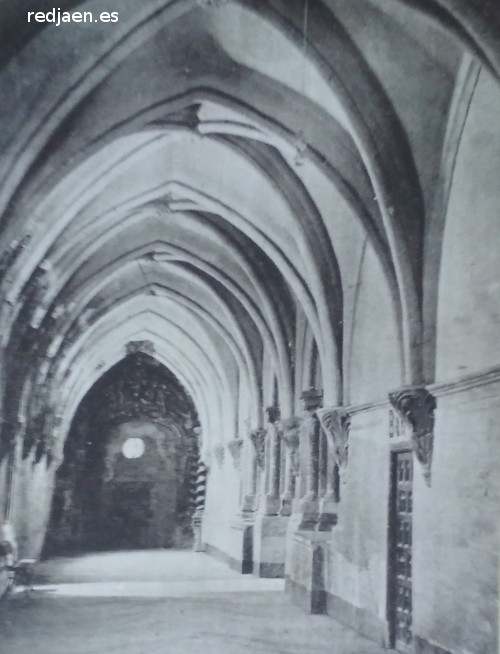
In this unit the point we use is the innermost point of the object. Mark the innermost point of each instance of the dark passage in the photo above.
(127, 480)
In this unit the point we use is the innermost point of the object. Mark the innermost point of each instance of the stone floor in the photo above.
(162, 602)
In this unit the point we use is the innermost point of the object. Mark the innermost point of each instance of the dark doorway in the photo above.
(126, 481)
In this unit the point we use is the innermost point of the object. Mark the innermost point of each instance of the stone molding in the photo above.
(235, 448)
(199, 436)
(145, 347)
(369, 406)
(212, 3)
(490, 376)
(484, 378)
(416, 407)
(336, 424)
(258, 438)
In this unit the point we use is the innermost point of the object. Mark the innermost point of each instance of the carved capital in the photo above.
(219, 453)
(258, 438)
(290, 432)
(416, 407)
(273, 414)
(336, 423)
(235, 448)
(290, 429)
(312, 399)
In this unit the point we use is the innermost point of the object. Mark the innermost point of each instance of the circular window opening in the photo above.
(133, 448)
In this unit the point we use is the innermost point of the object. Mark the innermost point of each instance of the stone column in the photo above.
(244, 458)
(290, 434)
(235, 448)
(249, 499)
(258, 439)
(13, 454)
(309, 506)
(201, 482)
(273, 463)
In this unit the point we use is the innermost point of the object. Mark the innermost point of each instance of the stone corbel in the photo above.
(219, 453)
(235, 448)
(258, 438)
(416, 407)
(336, 424)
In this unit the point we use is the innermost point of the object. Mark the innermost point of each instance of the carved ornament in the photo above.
(290, 429)
(336, 423)
(197, 431)
(219, 453)
(290, 432)
(416, 407)
(258, 438)
(273, 414)
(235, 448)
(146, 347)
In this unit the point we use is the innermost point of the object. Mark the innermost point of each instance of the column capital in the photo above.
(312, 399)
(258, 438)
(219, 453)
(273, 414)
(235, 447)
(290, 432)
(416, 406)
(336, 423)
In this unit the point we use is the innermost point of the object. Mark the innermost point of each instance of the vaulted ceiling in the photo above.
(199, 175)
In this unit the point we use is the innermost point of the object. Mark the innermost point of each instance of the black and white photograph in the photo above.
(249, 326)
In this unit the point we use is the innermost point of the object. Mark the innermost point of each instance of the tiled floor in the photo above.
(163, 602)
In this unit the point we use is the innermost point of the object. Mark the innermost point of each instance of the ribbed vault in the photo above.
(206, 206)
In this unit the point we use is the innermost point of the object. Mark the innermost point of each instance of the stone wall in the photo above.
(456, 522)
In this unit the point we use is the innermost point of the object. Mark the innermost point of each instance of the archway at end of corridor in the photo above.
(129, 469)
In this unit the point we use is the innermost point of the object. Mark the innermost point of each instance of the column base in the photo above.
(305, 575)
(309, 513)
(241, 546)
(248, 506)
(269, 546)
(286, 507)
(328, 510)
(271, 505)
(198, 545)
(327, 521)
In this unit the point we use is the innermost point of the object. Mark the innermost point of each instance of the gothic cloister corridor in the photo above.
(250, 317)
(163, 602)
